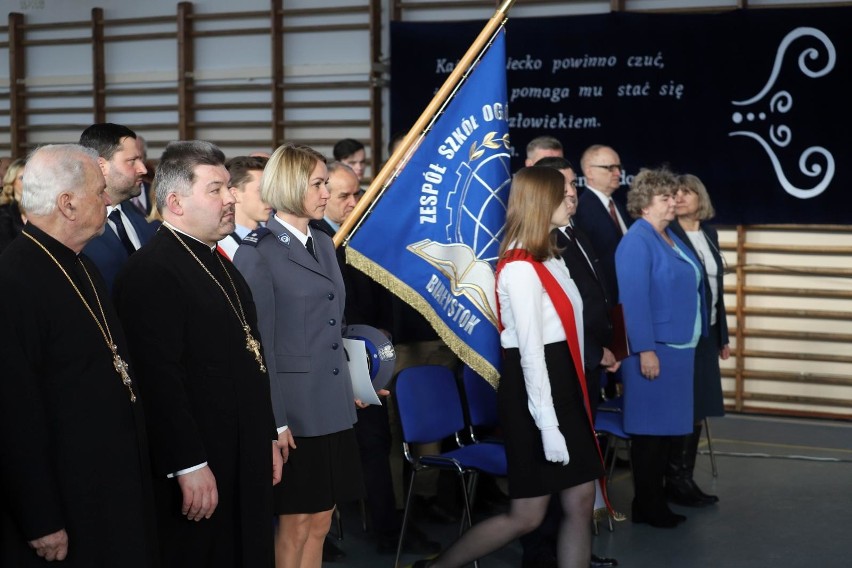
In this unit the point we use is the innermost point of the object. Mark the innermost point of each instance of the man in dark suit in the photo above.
(75, 482)
(194, 337)
(123, 168)
(603, 219)
(584, 267)
(143, 201)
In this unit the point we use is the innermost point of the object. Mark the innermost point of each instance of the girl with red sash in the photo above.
(550, 444)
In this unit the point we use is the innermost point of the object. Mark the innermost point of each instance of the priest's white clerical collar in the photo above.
(172, 227)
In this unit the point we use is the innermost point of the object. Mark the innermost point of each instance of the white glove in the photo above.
(555, 449)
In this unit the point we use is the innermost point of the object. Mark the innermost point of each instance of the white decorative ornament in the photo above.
(780, 103)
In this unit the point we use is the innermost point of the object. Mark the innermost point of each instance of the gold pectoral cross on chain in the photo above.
(121, 368)
(253, 346)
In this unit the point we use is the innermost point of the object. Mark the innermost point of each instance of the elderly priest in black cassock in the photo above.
(192, 327)
(74, 472)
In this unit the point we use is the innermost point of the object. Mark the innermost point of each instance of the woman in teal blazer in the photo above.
(661, 289)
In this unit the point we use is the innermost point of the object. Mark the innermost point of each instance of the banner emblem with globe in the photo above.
(433, 237)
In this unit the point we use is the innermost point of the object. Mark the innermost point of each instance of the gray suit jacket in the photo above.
(300, 304)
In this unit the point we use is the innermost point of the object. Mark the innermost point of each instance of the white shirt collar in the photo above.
(111, 208)
(600, 195)
(303, 238)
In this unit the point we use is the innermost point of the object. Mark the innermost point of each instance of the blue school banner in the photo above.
(433, 237)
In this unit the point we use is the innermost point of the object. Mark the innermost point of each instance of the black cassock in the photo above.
(206, 399)
(73, 452)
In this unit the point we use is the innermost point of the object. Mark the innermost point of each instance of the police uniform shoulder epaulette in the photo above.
(255, 236)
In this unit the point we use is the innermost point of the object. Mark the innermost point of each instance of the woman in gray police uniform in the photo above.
(299, 294)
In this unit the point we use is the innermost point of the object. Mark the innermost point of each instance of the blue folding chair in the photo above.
(481, 403)
(610, 422)
(430, 409)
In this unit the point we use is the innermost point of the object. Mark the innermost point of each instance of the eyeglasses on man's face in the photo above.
(611, 168)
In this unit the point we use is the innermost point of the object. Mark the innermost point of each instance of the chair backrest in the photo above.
(481, 399)
(429, 404)
(611, 422)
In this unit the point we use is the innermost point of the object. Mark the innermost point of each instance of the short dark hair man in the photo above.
(75, 471)
(193, 332)
(542, 147)
(123, 167)
(250, 211)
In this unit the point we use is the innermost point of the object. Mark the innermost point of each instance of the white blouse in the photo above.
(530, 322)
(702, 246)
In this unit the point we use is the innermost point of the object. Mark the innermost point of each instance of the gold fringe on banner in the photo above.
(405, 293)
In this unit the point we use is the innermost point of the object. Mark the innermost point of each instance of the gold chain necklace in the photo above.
(252, 344)
(118, 363)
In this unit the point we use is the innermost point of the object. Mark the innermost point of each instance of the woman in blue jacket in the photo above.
(661, 289)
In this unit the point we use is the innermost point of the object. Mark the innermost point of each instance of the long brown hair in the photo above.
(536, 193)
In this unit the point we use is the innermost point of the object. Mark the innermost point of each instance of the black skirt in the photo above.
(530, 474)
(708, 377)
(321, 472)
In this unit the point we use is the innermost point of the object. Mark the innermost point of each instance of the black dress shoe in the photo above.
(330, 552)
(661, 518)
(601, 561)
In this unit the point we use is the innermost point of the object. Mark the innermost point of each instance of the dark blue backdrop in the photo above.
(754, 102)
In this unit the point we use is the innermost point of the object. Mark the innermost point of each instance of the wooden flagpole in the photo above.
(378, 183)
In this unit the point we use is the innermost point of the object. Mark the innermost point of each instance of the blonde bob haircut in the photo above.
(646, 185)
(286, 178)
(537, 191)
(691, 183)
